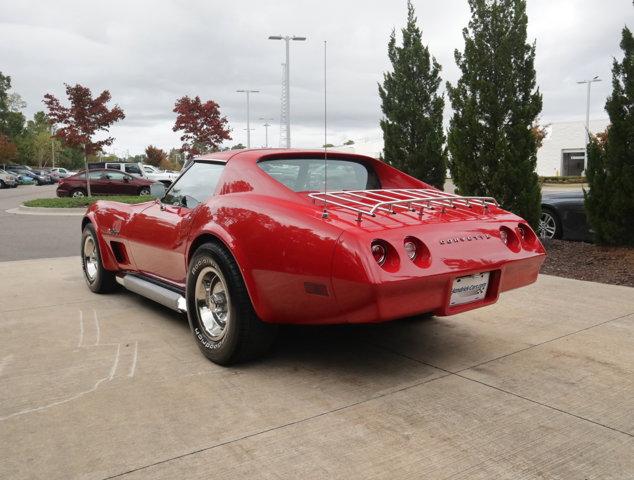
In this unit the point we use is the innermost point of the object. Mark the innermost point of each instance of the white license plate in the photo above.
(469, 289)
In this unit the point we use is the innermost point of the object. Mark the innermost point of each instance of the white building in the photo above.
(563, 150)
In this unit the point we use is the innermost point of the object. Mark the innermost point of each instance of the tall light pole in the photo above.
(266, 130)
(589, 82)
(287, 39)
(248, 92)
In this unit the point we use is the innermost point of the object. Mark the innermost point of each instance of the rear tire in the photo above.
(144, 191)
(2, 184)
(98, 279)
(221, 316)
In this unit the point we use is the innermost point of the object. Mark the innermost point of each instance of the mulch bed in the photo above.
(585, 261)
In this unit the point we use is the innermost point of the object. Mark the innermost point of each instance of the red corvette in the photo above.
(244, 240)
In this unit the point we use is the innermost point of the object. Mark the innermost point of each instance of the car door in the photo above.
(119, 183)
(157, 236)
(98, 182)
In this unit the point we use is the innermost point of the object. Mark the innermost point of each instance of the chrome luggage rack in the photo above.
(368, 202)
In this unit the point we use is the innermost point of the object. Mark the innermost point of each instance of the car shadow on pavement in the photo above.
(409, 340)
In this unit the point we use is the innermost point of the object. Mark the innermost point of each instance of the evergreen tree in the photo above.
(491, 142)
(412, 125)
(610, 199)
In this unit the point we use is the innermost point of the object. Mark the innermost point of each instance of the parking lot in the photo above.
(540, 385)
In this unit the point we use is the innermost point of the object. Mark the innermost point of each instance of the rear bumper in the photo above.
(365, 302)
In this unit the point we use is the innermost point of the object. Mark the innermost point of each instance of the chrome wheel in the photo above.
(91, 260)
(78, 193)
(213, 304)
(547, 225)
(145, 191)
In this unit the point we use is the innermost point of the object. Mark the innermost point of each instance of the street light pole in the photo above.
(589, 83)
(248, 92)
(266, 130)
(287, 79)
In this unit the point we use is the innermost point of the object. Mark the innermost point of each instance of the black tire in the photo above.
(555, 216)
(74, 192)
(2, 184)
(144, 191)
(244, 335)
(101, 280)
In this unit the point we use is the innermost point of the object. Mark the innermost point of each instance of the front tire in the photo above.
(79, 192)
(221, 316)
(144, 191)
(98, 279)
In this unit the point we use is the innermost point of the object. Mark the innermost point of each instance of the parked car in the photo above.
(103, 182)
(245, 240)
(8, 180)
(62, 172)
(52, 177)
(563, 216)
(24, 179)
(138, 169)
(37, 177)
(164, 176)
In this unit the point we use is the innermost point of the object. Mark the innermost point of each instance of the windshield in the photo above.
(307, 174)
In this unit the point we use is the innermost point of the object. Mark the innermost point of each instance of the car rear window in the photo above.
(307, 174)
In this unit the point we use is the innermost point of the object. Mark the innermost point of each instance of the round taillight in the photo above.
(510, 238)
(522, 231)
(379, 252)
(504, 236)
(410, 249)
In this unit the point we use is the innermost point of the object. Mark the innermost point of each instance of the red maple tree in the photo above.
(8, 150)
(155, 156)
(203, 126)
(78, 123)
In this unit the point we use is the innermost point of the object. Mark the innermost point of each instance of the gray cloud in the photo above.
(150, 53)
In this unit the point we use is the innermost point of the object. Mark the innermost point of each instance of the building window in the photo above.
(573, 162)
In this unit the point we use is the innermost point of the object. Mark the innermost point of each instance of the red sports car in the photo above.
(244, 240)
(103, 182)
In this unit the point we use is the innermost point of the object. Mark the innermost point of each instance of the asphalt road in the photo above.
(35, 236)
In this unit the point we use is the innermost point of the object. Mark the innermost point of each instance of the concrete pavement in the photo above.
(540, 385)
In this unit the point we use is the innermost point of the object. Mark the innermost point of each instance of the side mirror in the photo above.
(157, 190)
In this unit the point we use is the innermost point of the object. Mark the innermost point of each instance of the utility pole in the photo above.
(589, 82)
(286, 83)
(266, 130)
(248, 92)
(52, 145)
(86, 169)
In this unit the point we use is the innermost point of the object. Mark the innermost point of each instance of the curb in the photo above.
(71, 212)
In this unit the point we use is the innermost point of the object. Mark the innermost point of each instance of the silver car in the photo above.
(7, 180)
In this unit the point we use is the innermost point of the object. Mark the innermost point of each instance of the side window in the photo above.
(132, 168)
(114, 166)
(117, 176)
(96, 175)
(196, 185)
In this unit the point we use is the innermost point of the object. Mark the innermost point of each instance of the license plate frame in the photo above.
(469, 289)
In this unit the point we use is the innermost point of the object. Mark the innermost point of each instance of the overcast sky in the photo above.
(148, 53)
